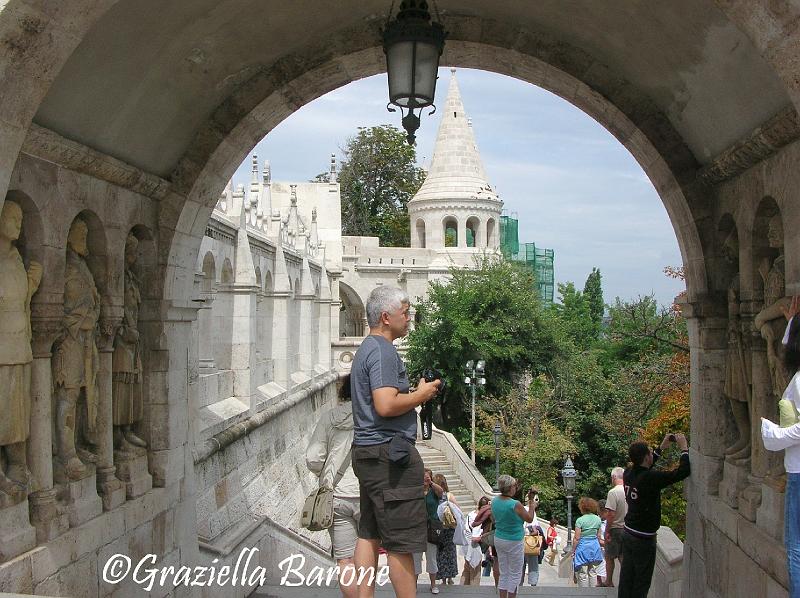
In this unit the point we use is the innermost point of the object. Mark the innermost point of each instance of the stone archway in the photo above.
(226, 97)
(352, 319)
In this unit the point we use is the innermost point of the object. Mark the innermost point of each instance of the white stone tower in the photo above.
(456, 194)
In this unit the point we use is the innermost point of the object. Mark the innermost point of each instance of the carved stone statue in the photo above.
(16, 289)
(737, 388)
(127, 362)
(76, 360)
(770, 321)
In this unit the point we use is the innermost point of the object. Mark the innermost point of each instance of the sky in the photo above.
(571, 184)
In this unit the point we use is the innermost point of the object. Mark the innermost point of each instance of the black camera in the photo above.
(426, 413)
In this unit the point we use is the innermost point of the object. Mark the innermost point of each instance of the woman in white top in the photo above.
(473, 555)
(777, 438)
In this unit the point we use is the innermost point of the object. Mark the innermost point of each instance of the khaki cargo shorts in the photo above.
(392, 499)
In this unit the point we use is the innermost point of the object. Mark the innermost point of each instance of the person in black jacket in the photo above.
(643, 486)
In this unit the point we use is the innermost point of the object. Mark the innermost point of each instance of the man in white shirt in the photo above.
(616, 508)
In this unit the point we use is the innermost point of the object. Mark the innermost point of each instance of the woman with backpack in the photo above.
(535, 544)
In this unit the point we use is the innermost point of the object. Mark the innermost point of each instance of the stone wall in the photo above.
(734, 540)
(232, 384)
(250, 491)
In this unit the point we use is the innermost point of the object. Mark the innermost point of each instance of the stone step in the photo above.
(438, 463)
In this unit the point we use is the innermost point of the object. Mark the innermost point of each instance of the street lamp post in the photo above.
(568, 476)
(474, 377)
(498, 432)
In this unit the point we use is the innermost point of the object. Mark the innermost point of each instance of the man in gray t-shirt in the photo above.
(378, 365)
(391, 490)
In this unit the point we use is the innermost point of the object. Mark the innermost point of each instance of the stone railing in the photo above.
(462, 465)
(668, 573)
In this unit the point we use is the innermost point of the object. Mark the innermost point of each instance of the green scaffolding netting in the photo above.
(538, 260)
(509, 235)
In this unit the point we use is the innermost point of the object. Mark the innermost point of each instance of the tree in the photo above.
(593, 295)
(378, 176)
(573, 314)
(491, 312)
(532, 448)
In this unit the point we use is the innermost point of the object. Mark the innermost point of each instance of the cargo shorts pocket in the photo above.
(404, 507)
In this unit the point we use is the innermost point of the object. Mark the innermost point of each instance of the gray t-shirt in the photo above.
(378, 365)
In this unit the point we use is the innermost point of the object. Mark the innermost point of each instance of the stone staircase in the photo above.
(436, 461)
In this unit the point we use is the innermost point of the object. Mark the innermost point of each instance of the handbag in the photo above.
(448, 519)
(533, 545)
(487, 537)
(435, 529)
(487, 540)
(317, 513)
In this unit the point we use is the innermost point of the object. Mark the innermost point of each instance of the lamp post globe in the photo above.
(569, 476)
(473, 377)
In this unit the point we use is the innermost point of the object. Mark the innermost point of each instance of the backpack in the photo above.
(448, 518)
(533, 545)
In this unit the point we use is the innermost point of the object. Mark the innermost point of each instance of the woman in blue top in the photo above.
(586, 552)
(509, 514)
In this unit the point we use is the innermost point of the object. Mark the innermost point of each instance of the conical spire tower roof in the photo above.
(456, 171)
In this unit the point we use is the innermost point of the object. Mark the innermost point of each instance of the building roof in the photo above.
(456, 171)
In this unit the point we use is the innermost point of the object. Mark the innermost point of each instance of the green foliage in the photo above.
(574, 317)
(554, 382)
(593, 296)
(378, 176)
(491, 312)
(451, 237)
(532, 446)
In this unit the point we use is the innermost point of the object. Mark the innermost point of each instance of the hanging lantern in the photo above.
(413, 45)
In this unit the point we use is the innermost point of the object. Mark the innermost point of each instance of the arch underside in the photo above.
(196, 131)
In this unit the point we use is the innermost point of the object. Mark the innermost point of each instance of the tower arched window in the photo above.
(473, 233)
(420, 230)
(450, 232)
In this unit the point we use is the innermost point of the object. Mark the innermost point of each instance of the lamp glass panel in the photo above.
(399, 63)
(426, 71)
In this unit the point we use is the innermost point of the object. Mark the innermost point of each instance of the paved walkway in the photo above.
(550, 585)
(476, 592)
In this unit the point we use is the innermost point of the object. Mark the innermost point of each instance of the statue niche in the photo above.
(76, 362)
(127, 406)
(16, 289)
(737, 389)
(770, 321)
